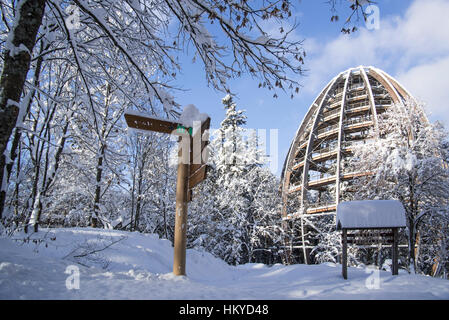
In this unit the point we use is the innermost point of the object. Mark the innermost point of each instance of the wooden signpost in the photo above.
(192, 169)
(367, 237)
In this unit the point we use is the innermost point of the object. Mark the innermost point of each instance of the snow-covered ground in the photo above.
(138, 266)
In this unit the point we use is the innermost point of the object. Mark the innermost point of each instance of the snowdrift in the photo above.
(123, 265)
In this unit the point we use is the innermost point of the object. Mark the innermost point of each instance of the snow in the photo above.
(14, 51)
(190, 114)
(9, 45)
(167, 100)
(263, 39)
(138, 266)
(12, 103)
(370, 214)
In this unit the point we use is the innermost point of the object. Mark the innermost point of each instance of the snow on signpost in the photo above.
(190, 114)
(370, 215)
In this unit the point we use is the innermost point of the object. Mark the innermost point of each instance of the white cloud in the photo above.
(413, 47)
(429, 82)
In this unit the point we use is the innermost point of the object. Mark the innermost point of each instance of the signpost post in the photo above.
(192, 170)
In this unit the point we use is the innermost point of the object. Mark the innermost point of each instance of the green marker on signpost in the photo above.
(182, 129)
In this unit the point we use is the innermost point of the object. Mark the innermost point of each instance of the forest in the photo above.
(71, 69)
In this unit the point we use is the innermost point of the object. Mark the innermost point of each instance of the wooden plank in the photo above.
(295, 189)
(321, 209)
(150, 124)
(197, 176)
(201, 136)
(356, 174)
(344, 262)
(371, 236)
(204, 126)
(382, 234)
(195, 166)
(196, 155)
(367, 243)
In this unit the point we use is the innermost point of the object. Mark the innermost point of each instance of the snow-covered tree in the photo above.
(140, 40)
(264, 212)
(409, 163)
(230, 143)
(236, 211)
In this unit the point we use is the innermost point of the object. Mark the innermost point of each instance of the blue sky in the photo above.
(411, 44)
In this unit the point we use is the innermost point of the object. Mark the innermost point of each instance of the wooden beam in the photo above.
(195, 166)
(196, 155)
(198, 143)
(150, 124)
(180, 238)
(373, 234)
(369, 242)
(321, 209)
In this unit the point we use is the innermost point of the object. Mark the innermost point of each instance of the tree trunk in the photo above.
(94, 218)
(139, 193)
(137, 217)
(165, 222)
(48, 180)
(131, 225)
(16, 64)
(35, 193)
(28, 101)
(17, 190)
(412, 244)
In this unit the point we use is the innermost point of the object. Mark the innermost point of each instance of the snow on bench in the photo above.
(370, 214)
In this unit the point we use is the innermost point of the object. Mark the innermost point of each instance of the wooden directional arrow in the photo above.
(198, 167)
(150, 124)
(197, 177)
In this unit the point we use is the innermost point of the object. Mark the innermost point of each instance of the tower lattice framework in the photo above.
(344, 114)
